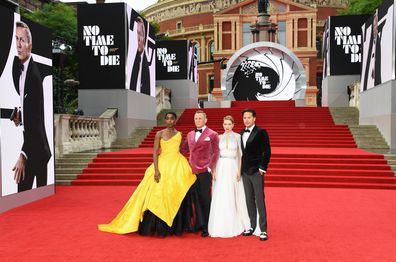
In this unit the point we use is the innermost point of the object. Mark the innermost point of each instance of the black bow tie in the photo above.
(247, 130)
(198, 130)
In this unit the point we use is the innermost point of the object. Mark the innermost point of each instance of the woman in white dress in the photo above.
(228, 212)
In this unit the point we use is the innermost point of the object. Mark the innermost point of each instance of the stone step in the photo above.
(90, 154)
(61, 161)
(390, 157)
(377, 150)
(68, 170)
(72, 165)
(63, 182)
(66, 176)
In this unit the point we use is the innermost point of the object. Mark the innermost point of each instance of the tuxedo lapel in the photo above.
(203, 135)
(242, 145)
(251, 136)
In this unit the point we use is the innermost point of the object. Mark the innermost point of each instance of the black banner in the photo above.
(102, 39)
(172, 58)
(345, 44)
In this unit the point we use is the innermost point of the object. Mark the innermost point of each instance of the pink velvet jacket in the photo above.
(204, 153)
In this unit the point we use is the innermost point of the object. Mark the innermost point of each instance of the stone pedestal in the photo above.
(263, 30)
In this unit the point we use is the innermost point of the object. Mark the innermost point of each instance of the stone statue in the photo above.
(263, 6)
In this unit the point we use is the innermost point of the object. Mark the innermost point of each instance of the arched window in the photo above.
(211, 48)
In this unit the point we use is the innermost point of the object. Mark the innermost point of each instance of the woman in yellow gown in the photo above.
(155, 206)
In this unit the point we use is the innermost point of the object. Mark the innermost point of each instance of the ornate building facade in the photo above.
(220, 27)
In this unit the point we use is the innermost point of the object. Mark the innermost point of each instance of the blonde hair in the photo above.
(230, 118)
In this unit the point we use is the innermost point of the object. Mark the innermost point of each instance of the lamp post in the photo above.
(59, 52)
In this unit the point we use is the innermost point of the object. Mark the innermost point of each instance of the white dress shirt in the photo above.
(246, 135)
(198, 134)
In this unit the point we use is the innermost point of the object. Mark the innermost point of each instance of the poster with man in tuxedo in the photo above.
(377, 47)
(35, 152)
(140, 77)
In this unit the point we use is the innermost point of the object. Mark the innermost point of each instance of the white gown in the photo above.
(228, 212)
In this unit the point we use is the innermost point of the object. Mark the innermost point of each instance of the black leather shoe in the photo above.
(263, 236)
(248, 232)
(204, 234)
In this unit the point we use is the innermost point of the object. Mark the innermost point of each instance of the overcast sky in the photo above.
(135, 4)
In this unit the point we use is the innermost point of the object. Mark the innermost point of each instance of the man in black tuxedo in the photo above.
(35, 152)
(255, 158)
(373, 69)
(140, 77)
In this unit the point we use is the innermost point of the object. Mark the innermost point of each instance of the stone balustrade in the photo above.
(190, 30)
(163, 97)
(80, 133)
(354, 95)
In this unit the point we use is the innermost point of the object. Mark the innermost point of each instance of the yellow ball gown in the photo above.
(163, 199)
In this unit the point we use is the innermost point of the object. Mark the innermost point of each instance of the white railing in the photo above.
(79, 133)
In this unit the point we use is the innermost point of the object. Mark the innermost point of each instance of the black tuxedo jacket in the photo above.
(257, 152)
(35, 142)
(377, 58)
(145, 77)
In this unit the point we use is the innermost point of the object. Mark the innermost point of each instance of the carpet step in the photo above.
(327, 160)
(99, 182)
(343, 179)
(115, 176)
(144, 164)
(331, 185)
(118, 155)
(329, 166)
(349, 185)
(114, 170)
(123, 159)
(330, 172)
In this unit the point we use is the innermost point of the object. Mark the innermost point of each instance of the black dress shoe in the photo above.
(204, 234)
(248, 232)
(263, 236)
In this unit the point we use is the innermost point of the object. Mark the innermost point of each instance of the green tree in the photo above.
(62, 20)
(361, 7)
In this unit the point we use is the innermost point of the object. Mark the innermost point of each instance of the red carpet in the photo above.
(309, 150)
(305, 224)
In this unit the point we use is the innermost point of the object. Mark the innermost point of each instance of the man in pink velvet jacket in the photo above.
(203, 145)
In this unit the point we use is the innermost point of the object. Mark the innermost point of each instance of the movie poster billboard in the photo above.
(116, 48)
(26, 124)
(378, 60)
(176, 59)
(140, 65)
(342, 54)
(101, 40)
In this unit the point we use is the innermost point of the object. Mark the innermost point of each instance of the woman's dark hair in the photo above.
(171, 113)
(249, 110)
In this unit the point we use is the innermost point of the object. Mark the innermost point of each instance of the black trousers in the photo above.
(38, 171)
(255, 199)
(204, 188)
